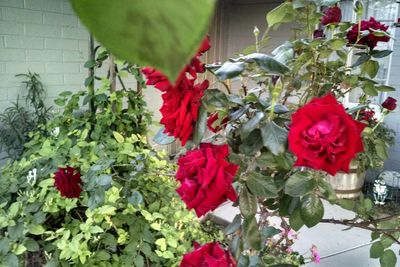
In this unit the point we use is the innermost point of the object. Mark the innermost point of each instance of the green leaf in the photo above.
(90, 63)
(104, 180)
(31, 245)
(88, 81)
(262, 186)
(370, 67)
(380, 53)
(60, 102)
(295, 220)
(118, 137)
(381, 149)
(274, 137)
(376, 250)
(251, 124)
(385, 88)
(267, 63)
(234, 225)
(11, 260)
(251, 233)
(370, 89)
(252, 144)
(215, 98)
(336, 43)
(299, 184)
(361, 59)
(4, 245)
(162, 138)
(164, 35)
(270, 231)
(247, 203)
(283, 13)
(230, 70)
(201, 125)
(36, 229)
(311, 210)
(136, 198)
(388, 259)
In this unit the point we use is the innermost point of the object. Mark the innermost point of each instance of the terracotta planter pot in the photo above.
(347, 185)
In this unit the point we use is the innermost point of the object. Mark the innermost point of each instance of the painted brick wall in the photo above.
(393, 120)
(42, 36)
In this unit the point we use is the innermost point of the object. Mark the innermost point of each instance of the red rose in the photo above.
(68, 182)
(181, 101)
(390, 103)
(324, 137)
(212, 119)
(318, 34)
(206, 178)
(331, 15)
(371, 39)
(367, 115)
(208, 255)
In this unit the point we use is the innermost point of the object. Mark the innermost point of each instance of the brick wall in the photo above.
(393, 120)
(42, 36)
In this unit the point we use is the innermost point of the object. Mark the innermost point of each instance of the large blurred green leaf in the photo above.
(388, 259)
(161, 34)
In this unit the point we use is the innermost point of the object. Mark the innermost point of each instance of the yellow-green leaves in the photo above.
(161, 34)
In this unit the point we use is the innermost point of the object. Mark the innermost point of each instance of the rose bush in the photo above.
(331, 15)
(376, 32)
(210, 254)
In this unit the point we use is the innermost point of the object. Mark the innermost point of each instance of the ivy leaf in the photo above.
(299, 184)
(118, 137)
(162, 138)
(251, 234)
(171, 35)
(267, 63)
(247, 203)
(274, 137)
(388, 259)
(311, 210)
(262, 186)
(370, 67)
(376, 250)
(251, 124)
(230, 70)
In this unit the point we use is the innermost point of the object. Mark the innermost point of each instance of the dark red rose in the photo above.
(68, 182)
(390, 103)
(331, 15)
(216, 128)
(206, 178)
(181, 100)
(367, 115)
(318, 34)
(324, 137)
(208, 255)
(371, 40)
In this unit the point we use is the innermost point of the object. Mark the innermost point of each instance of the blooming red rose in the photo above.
(331, 15)
(68, 182)
(212, 119)
(370, 39)
(324, 137)
(181, 100)
(206, 178)
(390, 103)
(208, 255)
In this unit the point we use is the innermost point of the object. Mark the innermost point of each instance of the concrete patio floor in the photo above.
(329, 239)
